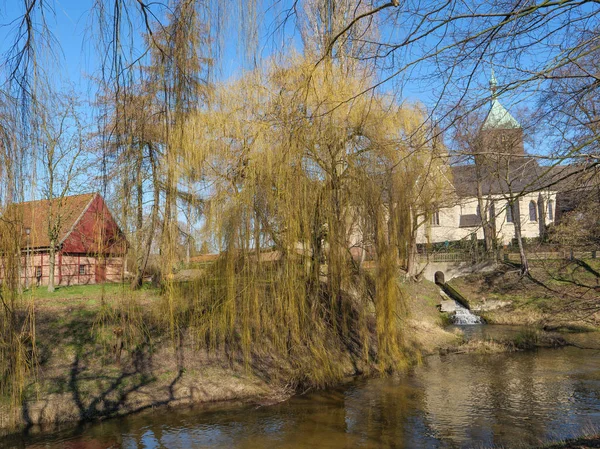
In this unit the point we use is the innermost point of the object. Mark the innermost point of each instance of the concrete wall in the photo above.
(454, 269)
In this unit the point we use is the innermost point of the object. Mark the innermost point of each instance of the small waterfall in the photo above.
(463, 316)
(454, 303)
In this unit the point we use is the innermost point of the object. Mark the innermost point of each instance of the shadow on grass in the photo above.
(97, 386)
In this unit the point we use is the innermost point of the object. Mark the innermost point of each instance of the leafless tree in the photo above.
(62, 146)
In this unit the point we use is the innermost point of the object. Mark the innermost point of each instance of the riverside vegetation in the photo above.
(558, 294)
(105, 351)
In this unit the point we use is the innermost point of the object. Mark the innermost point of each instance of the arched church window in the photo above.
(532, 211)
(509, 213)
(551, 210)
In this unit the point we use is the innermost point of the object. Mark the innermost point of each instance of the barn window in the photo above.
(551, 210)
(509, 213)
(82, 269)
(532, 211)
(435, 218)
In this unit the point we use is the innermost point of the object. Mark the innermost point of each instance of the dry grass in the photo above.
(584, 442)
(558, 294)
(483, 347)
(528, 338)
(424, 322)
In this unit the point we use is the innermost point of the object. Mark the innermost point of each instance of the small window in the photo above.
(38, 271)
(532, 211)
(509, 213)
(82, 269)
(435, 218)
(551, 210)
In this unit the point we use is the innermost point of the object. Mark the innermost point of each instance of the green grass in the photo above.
(88, 295)
(77, 290)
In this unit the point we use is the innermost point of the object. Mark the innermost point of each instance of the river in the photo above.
(451, 401)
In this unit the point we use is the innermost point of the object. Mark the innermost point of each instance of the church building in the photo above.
(503, 188)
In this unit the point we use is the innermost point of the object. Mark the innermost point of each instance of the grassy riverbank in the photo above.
(103, 351)
(559, 295)
(586, 442)
(525, 339)
(100, 354)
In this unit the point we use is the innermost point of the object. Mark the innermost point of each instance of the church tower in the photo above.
(501, 135)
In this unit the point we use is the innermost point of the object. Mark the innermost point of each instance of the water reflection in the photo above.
(450, 401)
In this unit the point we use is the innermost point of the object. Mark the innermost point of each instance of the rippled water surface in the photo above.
(450, 401)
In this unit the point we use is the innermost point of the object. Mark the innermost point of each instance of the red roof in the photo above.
(84, 224)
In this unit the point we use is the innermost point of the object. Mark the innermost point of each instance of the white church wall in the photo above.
(449, 228)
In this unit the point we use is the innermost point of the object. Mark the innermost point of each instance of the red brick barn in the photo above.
(90, 246)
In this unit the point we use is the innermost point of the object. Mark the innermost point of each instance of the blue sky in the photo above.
(78, 60)
(71, 23)
(68, 23)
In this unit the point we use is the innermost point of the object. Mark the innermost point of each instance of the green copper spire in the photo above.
(498, 117)
(493, 85)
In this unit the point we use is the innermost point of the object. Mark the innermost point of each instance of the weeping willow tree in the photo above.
(296, 168)
(292, 166)
(23, 83)
(16, 333)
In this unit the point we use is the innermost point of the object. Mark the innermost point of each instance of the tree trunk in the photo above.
(488, 231)
(21, 283)
(516, 211)
(335, 251)
(52, 264)
(412, 254)
(412, 258)
(542, 217)
(144, 254)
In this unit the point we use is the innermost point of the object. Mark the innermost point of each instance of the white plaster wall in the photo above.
(449, 230)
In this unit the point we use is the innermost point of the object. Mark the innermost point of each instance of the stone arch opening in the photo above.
(439, 278)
